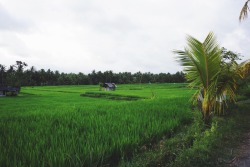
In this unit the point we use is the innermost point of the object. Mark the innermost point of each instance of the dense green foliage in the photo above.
(214, 71)
(55, 126)
(196, 145)
(20, 75)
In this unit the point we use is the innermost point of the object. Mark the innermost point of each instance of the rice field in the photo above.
(82, 126)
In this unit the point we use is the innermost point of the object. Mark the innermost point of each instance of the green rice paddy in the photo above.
(55, 126)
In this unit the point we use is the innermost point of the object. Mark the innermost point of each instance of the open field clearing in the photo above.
(55, 126)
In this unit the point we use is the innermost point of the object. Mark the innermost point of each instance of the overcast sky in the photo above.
(129, 35)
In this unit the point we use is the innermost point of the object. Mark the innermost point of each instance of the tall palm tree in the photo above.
(202, 65)
(244, 11)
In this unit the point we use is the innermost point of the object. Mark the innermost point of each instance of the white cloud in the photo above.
(138, 35)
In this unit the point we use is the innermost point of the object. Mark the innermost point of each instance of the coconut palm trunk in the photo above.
(205, 108)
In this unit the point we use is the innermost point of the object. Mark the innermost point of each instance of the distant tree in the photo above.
(42, 77)
(100, 76)
(56, 77)
(161, 77)
(49, 77)
(19, 74)
(109, 76)
(138, 77)
(146, 78)
(82, 79)
(20, 66)
(15, 74)
(230, 56)
(178, 77)
(92, 77)
(2, 73)
(230, 65)
(127, 77)
(30, 76)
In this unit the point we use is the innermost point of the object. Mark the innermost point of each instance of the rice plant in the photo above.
(54, 126)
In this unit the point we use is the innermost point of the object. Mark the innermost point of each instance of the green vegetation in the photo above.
(55, 126)
(19, 75)
(138, 125)
(217, 80)
(202, 62)
(111, 96)
(195, 145)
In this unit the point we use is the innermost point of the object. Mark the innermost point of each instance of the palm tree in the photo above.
(203, 68)
(2, 71)
(244, 11)
(226, 85)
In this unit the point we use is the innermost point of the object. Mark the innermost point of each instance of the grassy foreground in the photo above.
(195, 145)
(55, 126)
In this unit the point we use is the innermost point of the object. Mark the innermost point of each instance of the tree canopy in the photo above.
(20, 75)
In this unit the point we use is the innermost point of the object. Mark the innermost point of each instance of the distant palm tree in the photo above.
(244, 11)
(203, 68)
(2, 71)
(244, 69)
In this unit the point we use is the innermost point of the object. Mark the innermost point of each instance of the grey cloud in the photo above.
(10, 23)
(13, 45)
(132, 35)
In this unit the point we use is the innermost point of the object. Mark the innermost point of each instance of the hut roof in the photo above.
(110, 85)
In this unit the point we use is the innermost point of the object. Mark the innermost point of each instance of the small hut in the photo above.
(109, 86)
(8, 90)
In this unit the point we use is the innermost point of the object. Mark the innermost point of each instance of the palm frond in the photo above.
(201, 61)
(244, 11)
(202, 64)
(225, 88)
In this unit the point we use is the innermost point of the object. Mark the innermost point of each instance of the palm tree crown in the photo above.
(202, 63)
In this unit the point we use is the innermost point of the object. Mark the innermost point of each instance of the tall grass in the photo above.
(54, 126)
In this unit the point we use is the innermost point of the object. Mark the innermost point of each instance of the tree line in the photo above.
(20, 75)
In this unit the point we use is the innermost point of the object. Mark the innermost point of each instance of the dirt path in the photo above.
(242, 158)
